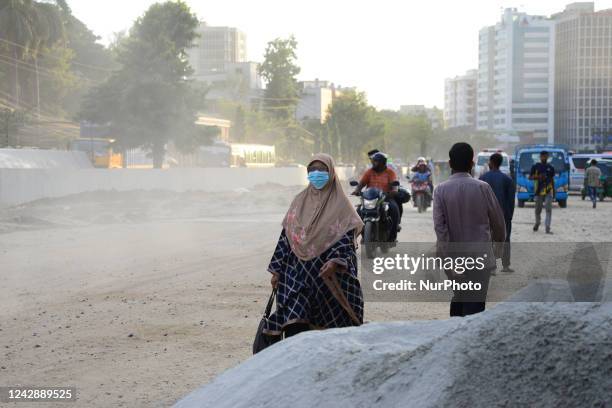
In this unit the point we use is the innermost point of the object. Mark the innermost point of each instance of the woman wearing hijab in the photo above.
(314, 266)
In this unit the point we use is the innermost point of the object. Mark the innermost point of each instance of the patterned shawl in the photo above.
(317, 219)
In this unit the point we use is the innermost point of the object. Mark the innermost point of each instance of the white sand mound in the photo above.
(517, 354)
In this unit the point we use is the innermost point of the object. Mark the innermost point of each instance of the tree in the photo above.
(239, 129)
(279, 70)
(150, 101)
(353, 126)
(27, 28)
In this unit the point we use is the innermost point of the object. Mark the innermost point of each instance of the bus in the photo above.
(99, 151)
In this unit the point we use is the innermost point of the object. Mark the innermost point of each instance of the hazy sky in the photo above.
(398, 52)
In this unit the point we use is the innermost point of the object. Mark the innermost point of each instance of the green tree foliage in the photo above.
(91, 62)
(353, 127)
(239, 127)
(150, 101)
(279, 70)
(28, 29)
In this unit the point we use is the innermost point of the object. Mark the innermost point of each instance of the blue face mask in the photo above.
(318, 178)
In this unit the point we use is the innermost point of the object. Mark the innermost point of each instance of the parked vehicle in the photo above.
(374, 212)
(482, 162)
(99, 150)
(526, 156)
(578, 163)
(605, 181)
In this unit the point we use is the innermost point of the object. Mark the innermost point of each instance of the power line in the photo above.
(56, 57)
(41, 70)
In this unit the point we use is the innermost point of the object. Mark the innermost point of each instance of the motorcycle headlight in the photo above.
(522, 189)
(369, 204)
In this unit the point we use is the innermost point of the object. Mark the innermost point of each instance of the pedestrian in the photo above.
(465, 210)
(504, 190)
(592, 181)
(543, 175)
(314, 265)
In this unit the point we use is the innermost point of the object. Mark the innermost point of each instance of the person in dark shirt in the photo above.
(503, 188)
(543, 175)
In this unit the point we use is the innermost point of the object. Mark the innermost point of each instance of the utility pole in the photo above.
(6, 115)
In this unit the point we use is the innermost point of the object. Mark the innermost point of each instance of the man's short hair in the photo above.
(496, 159)
(594, 162)
(461, 156)
(544, 152)
(372, 152)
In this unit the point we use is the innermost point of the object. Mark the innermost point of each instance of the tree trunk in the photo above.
(158, 155)
(16, 78)
(37, 100)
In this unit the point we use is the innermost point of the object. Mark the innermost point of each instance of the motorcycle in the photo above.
(420, 194)
(374, 212)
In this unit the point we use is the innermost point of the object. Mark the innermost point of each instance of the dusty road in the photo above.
(138, 298)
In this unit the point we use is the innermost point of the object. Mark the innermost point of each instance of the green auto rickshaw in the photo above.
(605, 189)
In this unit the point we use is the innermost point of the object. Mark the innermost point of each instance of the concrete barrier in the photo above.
(43, 159)
(22, 185)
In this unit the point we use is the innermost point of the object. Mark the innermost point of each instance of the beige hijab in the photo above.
(317, 219)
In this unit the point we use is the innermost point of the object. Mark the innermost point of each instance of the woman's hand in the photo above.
(274, 280)
(328, 269)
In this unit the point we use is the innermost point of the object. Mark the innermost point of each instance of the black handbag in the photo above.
(262, 340)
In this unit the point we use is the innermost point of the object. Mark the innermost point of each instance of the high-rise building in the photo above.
(516, 77)
(434, 115)
(460, 100)
(583, 77)
(215, 48)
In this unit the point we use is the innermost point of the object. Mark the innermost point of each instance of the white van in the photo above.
(482, 162)
(578, 163)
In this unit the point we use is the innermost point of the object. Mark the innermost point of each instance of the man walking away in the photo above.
(543, 175)
(592, 180)
(503, 188)
(465, 210)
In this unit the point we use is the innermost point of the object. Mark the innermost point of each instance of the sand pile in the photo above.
(517, 354)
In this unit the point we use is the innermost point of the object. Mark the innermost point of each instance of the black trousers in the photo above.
(466, 302)
(394, 213)
(506, 253)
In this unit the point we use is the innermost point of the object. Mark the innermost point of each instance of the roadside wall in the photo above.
(19, 186)
(43, 159)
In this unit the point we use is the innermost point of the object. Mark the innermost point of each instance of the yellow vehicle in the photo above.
(99, 151)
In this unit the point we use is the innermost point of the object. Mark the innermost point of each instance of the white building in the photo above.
(460, 100)
(215, 48)
(238, 81)
(315, 99)
(516, 77)
(219, 60)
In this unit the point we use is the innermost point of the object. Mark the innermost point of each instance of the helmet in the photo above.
(380, 156)
(421, 159)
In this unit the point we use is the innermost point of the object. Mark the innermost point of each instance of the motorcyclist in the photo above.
(381, 177)
(422, 174)
(402, 196)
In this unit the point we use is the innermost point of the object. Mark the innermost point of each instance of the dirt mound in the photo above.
(517, 354)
